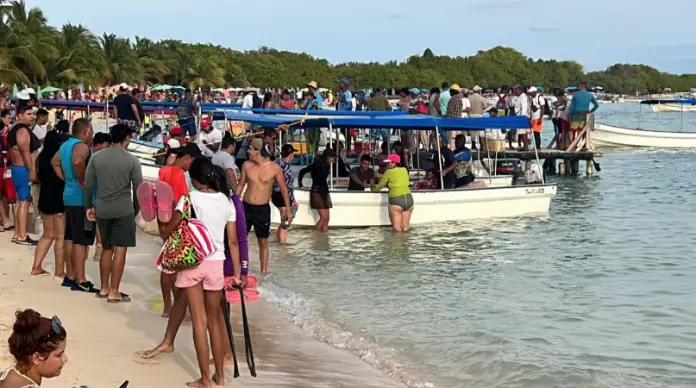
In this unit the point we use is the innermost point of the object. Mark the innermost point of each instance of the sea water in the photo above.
(600, 293)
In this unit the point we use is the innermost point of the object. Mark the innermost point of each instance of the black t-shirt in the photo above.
(141, 112)
(363, 176)
(123, 103)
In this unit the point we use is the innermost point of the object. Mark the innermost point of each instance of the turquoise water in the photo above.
(598, 294)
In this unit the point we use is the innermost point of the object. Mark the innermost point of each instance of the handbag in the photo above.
(188, 245)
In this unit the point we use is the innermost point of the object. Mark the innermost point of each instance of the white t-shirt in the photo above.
(565, 113)
(537, 102)
(215, 210)
(214, 136)
(248, 101)
(466, 103)
(522, 105)
(40, 131)
(225, 160)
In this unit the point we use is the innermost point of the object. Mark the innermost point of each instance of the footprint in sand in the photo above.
(138, 359)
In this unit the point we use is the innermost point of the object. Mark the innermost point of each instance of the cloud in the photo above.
(543, 29)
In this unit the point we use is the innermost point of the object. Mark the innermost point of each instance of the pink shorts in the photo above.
(210, 272)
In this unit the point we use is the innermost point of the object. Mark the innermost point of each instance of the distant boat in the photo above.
(609, 136)
(675, 105)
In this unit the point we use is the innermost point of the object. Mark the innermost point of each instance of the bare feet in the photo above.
(219, 380)
(199, 384)
(165, 314)
(161, 348)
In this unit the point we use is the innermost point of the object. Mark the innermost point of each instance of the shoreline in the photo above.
(104, 339)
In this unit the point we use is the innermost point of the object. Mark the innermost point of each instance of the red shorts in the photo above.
(6, 186)
(565, 126)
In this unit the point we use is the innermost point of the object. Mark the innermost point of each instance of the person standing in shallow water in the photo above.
(38, 345)
(260, 174)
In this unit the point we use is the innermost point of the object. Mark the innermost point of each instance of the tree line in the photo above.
(36, 53)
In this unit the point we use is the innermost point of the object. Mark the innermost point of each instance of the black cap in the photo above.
(189, 149)
(287, 149)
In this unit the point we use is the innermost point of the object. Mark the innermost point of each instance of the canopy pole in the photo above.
(488, 152)
(681, 118)
(536, 153)
(330, 167)
(418, 143)
(106, 114)
(439, 157)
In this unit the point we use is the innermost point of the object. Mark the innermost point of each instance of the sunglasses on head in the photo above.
(56, 326)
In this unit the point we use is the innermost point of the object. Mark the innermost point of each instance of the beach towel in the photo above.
(242, 241)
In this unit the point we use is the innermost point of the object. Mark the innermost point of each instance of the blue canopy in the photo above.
(321, 112)
(420, 122)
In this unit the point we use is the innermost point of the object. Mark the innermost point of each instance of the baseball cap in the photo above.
(173, 143)
(344, 81)
(287, 149)
(176, 131)
(414, 91)
(256, 144)
(532, 89)
(205, 122)
(190, 149)
(394, 158)
(123, 86)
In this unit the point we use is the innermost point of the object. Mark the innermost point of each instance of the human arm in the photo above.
(57, 167)
(242, 181)
(382, 182)
(280, 178)
(287, 173)
(301, 174)
(234, 249)
(23, 141)
(449, 157)
(136, 179)
(90, 181)
(176, 219)
(354, 177)
(136, 114)
(115, 111)
(231, 177)
(594, 103)
(79, 161)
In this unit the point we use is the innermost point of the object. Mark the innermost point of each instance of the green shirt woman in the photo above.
(400, 199)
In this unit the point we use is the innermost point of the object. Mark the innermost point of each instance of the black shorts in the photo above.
(320, 200)
(117, 232)
(277, 199)
(78, 228)
(258, 217)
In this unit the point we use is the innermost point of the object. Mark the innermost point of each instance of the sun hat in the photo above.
(456, 88)
(313, 84)
(393, 158)
(23, 95)
(532, 89)
(30, 90)
(476, 88)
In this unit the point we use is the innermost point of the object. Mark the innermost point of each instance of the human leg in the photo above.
(176, 317)
(196, 302)
(395, 217)
(58, 244)
(44, 244)
(217, 343)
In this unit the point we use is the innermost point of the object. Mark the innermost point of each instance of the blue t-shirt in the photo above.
(445, 98)
(318, 99)
(345, 101)
(462, 154)
(581, 102)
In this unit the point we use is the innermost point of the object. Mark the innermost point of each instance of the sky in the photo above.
(596, 33)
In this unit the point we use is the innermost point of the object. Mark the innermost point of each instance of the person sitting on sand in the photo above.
(38, 345)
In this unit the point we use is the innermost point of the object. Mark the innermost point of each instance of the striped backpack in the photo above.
(188, 245)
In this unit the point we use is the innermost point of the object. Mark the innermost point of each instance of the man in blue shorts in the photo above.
(186, 112)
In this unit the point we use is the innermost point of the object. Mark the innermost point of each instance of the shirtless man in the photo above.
(24, 149)
(260, 174)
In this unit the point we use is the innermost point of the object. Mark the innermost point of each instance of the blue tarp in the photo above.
(403, 122)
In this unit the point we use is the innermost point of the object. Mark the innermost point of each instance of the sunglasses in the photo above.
(56, 326)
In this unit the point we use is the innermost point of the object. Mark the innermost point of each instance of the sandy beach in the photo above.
(104, 339)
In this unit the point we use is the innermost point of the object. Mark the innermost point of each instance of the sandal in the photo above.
(146, 199)
(125, 298)
(164, 198)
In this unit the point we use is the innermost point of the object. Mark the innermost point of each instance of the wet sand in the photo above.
(104, 339)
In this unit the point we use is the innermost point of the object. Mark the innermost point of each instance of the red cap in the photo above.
(176, 131)
(205, 122)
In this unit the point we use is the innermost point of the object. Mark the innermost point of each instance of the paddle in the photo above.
(247, 337)
(228, 326)
(124, 385)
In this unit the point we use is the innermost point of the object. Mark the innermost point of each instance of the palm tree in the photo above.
(120, 60)
(205, 74)
(79, 60)
(152, 60)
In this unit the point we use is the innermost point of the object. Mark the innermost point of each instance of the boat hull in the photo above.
(361, 209)
(608, 136)
(673, 108)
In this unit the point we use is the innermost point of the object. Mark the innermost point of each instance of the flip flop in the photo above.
(250, 295)
(164, 198)
(252, 281)
(125, 298)
(146, 198)
(43, 273)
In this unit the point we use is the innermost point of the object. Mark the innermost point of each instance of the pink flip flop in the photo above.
(164, 197)
(250, 295)
(146, 198)
(251, 281)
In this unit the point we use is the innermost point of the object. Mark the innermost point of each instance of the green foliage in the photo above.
(33, 52)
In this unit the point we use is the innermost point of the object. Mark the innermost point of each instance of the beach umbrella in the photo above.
(47, 89)
(15, 91)
(158, 88)
(178, 88)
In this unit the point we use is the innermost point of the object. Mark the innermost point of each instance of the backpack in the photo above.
(188, 245)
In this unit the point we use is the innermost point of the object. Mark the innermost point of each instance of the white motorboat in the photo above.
(144, 147)
(353, 209)
(608, 136)
(677, 105)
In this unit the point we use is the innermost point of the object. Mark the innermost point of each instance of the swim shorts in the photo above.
(117, 232)
(188, 125)
(20, 180)
(277, 199)
(78, 228)
(258, 217)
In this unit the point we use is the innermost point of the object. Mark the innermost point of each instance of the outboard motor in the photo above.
(151, 133)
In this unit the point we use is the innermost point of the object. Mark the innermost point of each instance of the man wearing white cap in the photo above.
(537, 108)
(522, 109)
(314, 89)
(126, 109)
(478, 106)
